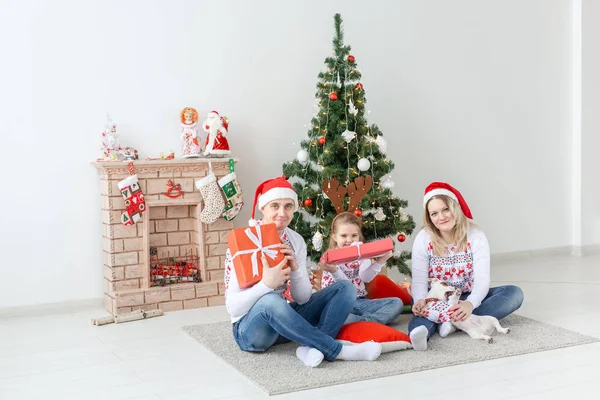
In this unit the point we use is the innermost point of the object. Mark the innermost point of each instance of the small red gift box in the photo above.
(359, 252)
(247, 245)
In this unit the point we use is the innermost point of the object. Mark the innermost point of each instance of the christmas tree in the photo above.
(342, 149)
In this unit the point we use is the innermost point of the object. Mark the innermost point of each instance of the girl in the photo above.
(345, 231)
(453, 250)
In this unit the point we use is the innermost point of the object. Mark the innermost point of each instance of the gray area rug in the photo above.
(271, 370)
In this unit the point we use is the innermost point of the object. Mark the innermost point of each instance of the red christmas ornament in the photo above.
(307, 202)
(284, 177)
(401, 237)
(351, 58)
(333, 96)
(359, 85)
(358, 212)
(322, 140)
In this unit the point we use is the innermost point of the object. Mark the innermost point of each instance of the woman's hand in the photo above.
(419, 308)
(461, 311)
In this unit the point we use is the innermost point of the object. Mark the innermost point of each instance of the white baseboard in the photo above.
(552, 251)
(51, 308)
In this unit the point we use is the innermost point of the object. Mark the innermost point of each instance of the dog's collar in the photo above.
(431, 300)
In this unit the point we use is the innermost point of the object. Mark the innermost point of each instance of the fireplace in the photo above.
(168, 259)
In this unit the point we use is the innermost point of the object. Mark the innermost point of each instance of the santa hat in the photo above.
(441, 188)
(273, 189)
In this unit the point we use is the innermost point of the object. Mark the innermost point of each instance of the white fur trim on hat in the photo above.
(277, 193)
(219, 151)
(438, 192)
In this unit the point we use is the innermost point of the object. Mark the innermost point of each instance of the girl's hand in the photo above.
(331, 268)
(461, 311)
(383, 259)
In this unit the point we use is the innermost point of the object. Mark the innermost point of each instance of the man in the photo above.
(261, 315)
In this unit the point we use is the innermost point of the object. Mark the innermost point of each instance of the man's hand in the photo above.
(461, 311)
(276, 276)
(419, 308)
(289, 256)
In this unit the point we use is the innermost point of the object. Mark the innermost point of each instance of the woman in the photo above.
(454, 250)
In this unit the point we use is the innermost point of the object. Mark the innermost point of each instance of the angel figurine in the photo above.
(190, 133)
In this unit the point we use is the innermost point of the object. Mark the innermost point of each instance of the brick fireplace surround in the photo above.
(169, 225)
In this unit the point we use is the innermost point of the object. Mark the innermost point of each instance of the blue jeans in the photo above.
(376, 310)
(499, 302)
(316, 323)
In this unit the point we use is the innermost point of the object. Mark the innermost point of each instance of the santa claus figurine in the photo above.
(216, 127)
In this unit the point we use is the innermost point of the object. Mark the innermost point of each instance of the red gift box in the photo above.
(247, 245)
(359, 252)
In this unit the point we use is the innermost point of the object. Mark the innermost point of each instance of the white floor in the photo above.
(54, 352)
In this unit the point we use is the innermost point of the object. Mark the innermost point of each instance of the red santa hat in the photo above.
(273, 189)
(442, 188)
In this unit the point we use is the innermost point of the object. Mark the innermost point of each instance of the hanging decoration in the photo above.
(348, 135)
(387, 182)
(351, 109)
(382, 143)
(379, 215)
(173, 190)
(302, 156)
(317, 241)
(363, 164)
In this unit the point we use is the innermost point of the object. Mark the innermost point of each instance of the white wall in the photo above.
(590, 130)
(468, 92)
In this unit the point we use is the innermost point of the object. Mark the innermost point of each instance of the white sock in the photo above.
(446, 328)
(367, 351)
(310, 356)
(418, 338)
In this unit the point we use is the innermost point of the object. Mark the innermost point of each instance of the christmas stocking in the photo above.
(213, 201)
(233, 194)
(134, 199)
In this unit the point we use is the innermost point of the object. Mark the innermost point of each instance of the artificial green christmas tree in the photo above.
(342, 147)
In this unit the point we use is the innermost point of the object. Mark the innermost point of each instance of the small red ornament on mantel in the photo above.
(358, 212)
(333, 96)
(322, 140)
(307, 202)
(351, 58)
(359, 85)
(401, 237)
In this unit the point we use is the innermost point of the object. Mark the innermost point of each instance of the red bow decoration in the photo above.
(171, 187)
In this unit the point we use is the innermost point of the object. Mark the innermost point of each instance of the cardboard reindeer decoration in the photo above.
(356, 191)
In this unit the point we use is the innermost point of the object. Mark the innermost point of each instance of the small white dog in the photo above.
(476, 326)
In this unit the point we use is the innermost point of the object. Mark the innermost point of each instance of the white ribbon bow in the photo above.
(357, 244)
(257, 240)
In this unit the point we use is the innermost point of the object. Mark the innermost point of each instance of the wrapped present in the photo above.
(359, 251)
(247, 246)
